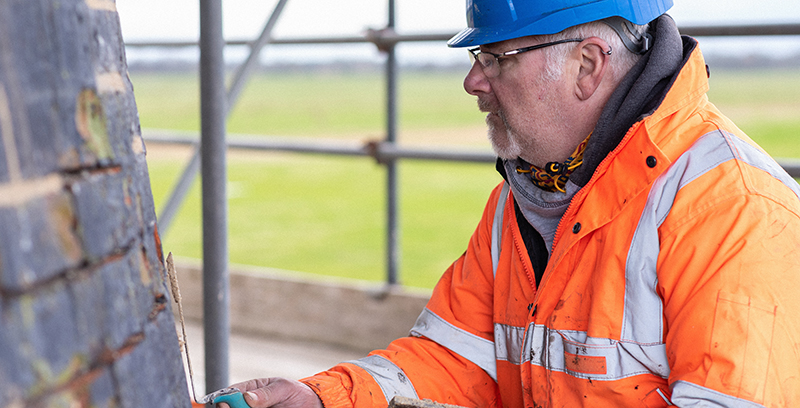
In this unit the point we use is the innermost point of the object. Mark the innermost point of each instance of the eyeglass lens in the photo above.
(488, 62)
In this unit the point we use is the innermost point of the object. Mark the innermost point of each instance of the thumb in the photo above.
(267, 396)
(256, 398)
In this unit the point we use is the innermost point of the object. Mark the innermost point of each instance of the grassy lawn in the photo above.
(764, 104)
(327, 104)
(325, 215)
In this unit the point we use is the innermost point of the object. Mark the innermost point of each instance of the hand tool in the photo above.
(231, 396)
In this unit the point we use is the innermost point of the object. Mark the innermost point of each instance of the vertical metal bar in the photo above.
(216, 300)
(243, 73)
(392, 199)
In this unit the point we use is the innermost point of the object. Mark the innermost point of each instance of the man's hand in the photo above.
(278, 393)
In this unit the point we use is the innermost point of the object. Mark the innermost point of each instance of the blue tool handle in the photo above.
(235, 400)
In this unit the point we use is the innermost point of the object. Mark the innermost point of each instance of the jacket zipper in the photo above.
(580, 194)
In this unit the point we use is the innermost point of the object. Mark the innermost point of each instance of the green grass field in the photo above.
(325, 215)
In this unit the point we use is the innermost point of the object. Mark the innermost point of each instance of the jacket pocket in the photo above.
(579, 355)
(741, 343)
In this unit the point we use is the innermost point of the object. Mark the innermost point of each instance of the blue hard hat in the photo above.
(491, 21)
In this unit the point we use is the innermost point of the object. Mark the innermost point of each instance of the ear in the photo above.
(594, 57)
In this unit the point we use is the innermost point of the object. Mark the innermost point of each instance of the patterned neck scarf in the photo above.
(553, 177)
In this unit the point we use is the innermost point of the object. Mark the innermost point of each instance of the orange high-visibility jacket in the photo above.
(674, 279)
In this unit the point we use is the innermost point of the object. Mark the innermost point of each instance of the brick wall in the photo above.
(85, 313)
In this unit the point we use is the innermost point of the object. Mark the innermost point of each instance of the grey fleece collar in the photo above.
(637, 96)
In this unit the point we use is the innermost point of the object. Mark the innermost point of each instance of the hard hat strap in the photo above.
(624, 29)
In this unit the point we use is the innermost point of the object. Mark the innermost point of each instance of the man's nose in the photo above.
(476, 83)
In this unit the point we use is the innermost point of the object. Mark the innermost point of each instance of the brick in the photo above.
(152, 262)
(88, 296)
(59, 48)
(149, 296)
(15, 374)
(108, 54)
(122, 119)
(105, 214)
(140, 192)
(48, 66)
(92, 125)
(121, 315)
(162, 340)
(113, 303)
(37, 241)
(45, 339)
(96, 390)
(156, 366)
(103, 391)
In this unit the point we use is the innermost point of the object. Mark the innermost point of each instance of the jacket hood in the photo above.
(638, 95)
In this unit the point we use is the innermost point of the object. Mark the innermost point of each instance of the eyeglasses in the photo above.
(490, 62)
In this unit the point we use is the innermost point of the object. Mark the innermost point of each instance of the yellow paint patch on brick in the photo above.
(109, 82)
(105, 5)
(90, 121)
(62, 216)
(20, 192)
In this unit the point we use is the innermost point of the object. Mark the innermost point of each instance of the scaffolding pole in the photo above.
(213, 112)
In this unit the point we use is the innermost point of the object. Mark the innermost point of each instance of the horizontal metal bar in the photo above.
(391, 37)
(371, 36)
(388, 151)
(741, 30)
(381, 151)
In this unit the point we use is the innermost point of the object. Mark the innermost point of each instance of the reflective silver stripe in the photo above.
(758, 159)
(548, 348)
(476, 349)
(686, 394)
(497, 227)
(642, 319)
(508, 343)
(389, 376)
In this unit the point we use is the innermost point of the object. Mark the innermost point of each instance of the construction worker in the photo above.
(641, 250)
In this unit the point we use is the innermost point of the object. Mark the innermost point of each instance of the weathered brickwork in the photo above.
(85, 311)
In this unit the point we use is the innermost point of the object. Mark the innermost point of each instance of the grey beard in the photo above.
(506, 145)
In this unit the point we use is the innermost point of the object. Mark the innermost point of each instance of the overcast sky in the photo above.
(179, 19)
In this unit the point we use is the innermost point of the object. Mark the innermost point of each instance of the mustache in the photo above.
(486, 106)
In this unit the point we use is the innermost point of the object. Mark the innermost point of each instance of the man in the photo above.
(641, 252)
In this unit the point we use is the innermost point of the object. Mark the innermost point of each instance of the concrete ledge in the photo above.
(345, 313)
